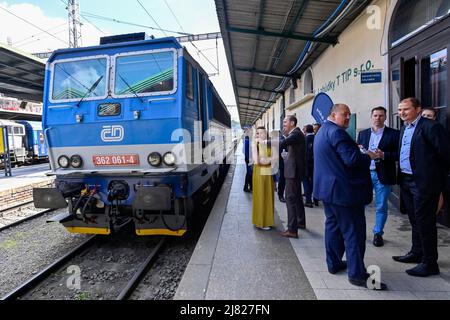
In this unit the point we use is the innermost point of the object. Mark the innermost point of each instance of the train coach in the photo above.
(136, 132)
(35, 146)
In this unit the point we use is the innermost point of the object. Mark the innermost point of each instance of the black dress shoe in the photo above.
(340, 267)
(246, 190)
(424, 270)
(316, 203)
(282, 199)
(370, 286)
(408, 258)
(309, 205)
(378, 240)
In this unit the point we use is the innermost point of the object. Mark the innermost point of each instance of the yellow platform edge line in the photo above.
(166, 232)
(89, 230)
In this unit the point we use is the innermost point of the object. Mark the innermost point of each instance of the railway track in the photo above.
(119, 266)
(51, 278)
(18, 214)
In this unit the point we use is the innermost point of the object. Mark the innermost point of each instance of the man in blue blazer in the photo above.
(383, 141)
(424, 160)
(342, 182)
(248, 166)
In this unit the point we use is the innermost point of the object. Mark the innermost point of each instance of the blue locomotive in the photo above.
(135, 132)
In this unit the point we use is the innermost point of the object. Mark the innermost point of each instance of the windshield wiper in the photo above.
(92, 88)
(131, 89)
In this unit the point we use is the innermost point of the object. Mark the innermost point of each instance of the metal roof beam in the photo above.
(259, 89)
(199, 37)
(260, 100)
(253, 105)
(22, 83)
(250, 110)
(265, 73)
(261, 32)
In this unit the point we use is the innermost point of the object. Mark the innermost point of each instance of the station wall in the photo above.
(338, 70)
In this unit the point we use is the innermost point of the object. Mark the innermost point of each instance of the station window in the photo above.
(291, 95)
(308, 86)
(413, 16)
(189, 81)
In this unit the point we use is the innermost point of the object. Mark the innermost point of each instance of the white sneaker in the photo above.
(265, 228)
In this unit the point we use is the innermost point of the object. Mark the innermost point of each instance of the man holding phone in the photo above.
(383, 141)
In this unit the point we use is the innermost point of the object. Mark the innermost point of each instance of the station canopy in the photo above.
(21, 75)
(270, 42)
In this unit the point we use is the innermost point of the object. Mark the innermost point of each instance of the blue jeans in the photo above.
(381, 202)
(308, 187)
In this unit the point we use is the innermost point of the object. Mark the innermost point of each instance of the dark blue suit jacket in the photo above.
(247, 149)
(341, 171)
(387, 168)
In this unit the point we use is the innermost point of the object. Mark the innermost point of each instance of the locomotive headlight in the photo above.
(63, 161)
(169, 158)
(76, 161)
(154, 159)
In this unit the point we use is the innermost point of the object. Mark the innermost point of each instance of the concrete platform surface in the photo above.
(234, 260)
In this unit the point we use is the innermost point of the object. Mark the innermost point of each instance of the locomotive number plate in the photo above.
(116, 160)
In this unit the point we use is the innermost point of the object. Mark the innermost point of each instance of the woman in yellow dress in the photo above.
(263, 185)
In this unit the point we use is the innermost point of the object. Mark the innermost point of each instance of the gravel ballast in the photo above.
(29, 247)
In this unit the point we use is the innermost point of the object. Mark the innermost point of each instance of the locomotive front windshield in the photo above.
(74, 80)
(144, 73)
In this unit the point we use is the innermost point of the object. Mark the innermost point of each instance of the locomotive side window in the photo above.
(144, 73)
(189, 81)
(18, 131)
(74, 79)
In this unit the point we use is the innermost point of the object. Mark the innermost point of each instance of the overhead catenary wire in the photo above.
(37, 34)
(151, 17)
(198, 50)
(32, 24)
(92, 24)
(38, 39)
(82, 16)
(96, 16)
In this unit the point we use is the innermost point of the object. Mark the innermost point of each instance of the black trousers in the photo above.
(248, 178)
(281, 184)
(294, 204)
(421, 210)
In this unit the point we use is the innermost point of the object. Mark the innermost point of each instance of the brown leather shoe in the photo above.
(289, 234)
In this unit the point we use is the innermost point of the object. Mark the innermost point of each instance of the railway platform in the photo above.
(235, 261)
(18, 188)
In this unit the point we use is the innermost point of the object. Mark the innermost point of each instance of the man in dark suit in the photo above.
(342, 182)
(383, 141)
(294, 172)
(423, 167)
(308, 180)
(248, 166)
(281, 180)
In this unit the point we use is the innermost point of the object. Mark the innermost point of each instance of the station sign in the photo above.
(371, 77)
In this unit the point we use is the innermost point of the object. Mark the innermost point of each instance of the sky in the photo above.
(190, 16)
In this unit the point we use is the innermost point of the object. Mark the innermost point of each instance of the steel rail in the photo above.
(38, 278)
(131, 285)
(31, 217)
